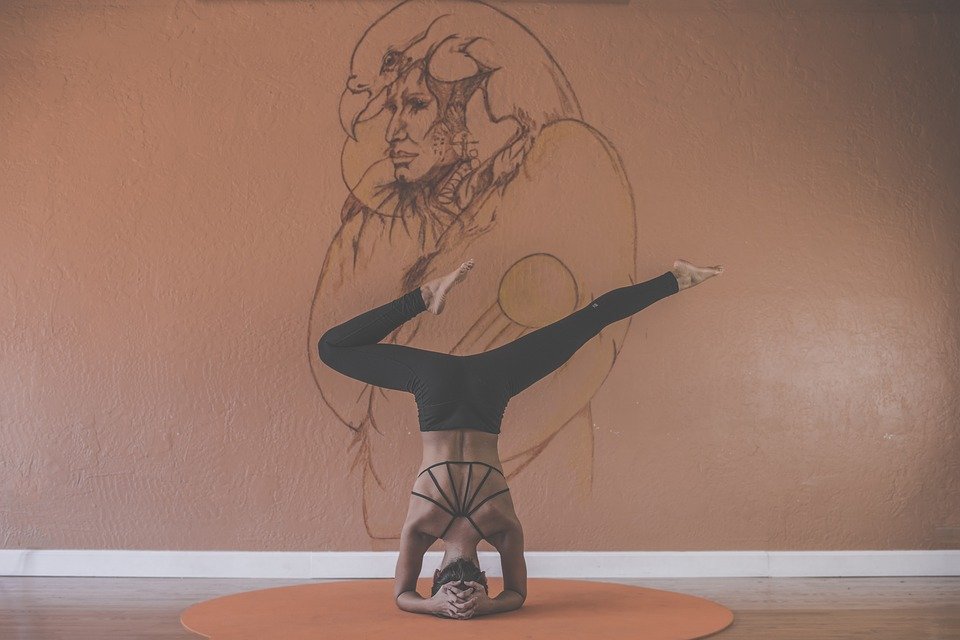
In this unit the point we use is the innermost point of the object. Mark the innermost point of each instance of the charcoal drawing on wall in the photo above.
(463, 138)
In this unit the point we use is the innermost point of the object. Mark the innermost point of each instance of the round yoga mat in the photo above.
(554, 610)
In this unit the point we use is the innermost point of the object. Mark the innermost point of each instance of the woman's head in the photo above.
(460, 570)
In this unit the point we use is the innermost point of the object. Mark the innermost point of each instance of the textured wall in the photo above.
(170, 184)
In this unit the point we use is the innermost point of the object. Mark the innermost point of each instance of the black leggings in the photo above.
(436, 378)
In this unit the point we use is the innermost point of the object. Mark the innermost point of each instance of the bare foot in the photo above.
(689, 275)
(435, 292)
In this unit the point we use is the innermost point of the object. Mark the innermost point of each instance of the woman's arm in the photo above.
(414, 603)
(514, 566)
(508, 600)
(413, 545)
(514, 571)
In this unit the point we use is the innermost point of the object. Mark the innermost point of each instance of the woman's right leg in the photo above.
(520, 363)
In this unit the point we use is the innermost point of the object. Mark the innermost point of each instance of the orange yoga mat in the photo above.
(554, 610)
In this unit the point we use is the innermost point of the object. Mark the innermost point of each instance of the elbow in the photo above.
(516, 600)
(403, 602)
(521, 595)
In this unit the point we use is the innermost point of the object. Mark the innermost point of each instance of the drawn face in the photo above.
(419, 141)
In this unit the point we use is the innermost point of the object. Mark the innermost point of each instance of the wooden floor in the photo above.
(765, 608)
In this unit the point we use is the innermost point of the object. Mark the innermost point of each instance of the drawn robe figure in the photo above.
(541, 202)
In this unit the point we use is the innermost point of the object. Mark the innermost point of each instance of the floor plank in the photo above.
(33, 608)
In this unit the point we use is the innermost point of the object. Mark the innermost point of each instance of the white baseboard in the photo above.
(540, 564)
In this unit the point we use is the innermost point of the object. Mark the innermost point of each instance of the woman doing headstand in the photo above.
(460, 494)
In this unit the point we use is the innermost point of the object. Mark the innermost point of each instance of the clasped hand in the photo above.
(461, 600)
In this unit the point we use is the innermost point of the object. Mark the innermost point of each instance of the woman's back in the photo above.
(460, 445)
(460, 489)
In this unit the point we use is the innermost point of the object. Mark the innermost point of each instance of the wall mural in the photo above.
(463, 138)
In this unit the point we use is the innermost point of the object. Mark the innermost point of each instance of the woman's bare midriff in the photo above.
(460, 445)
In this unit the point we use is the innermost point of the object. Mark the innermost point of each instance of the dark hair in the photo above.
(459, 569)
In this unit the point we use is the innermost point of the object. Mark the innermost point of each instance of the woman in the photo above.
(460, 495)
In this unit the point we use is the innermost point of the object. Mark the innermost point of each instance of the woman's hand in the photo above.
(477, 602)
(448, 602)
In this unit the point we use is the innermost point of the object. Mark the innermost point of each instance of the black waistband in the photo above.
(460, 462)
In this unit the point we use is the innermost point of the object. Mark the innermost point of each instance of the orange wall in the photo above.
(170, 190)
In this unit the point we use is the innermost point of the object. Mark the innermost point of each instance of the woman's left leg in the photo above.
(352, 347)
